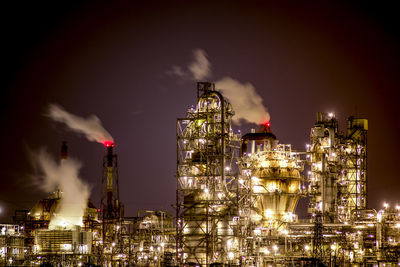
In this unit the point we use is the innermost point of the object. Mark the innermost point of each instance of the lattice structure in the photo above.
(338, 177)
(206, 181)
(324, 159)
(111, 208)
(353, 174)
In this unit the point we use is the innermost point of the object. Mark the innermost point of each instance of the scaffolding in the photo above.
(206, 203)
(338, 176)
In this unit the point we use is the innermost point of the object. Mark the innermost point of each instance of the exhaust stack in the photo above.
(110, 196)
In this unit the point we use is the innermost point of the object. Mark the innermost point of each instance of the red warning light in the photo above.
(98, 210)
(268, 124)
(109, 143)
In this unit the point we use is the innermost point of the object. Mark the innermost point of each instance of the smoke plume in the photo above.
(75, 193)
(91, 127)
(245, 101)
(198, 69)
(200, 66)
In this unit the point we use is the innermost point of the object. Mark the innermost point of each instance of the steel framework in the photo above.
(206, 181)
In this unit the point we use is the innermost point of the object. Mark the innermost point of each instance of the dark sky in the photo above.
(111, 60)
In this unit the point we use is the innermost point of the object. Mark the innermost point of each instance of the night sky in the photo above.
(112, 59)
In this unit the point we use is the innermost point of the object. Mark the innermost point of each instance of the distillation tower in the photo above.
(338, 175)
(206, 197)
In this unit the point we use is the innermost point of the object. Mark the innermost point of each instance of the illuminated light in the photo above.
(241, 181)
(397, 207)
(206, 191)
(67, 246)
(266, 251)
(228, 168)
(109, 143)
(379, 217)
(385, 205)
(113, 244)
(331, 114)
(231, 255)
(333, 247)
(268, 213)
(307, 247)
(275, 248)
(219, 195)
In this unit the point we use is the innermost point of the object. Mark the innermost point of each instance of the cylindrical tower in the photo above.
(205, 180)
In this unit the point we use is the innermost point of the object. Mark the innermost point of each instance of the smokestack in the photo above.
(110, 196)
(265, 128)
(64, 150)
(110, 153)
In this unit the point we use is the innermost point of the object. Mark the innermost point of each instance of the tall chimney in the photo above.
(64, 150)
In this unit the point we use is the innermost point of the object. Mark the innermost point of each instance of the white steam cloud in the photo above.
(91, 127)
(198, 69)
(245, 101)
(75, 193)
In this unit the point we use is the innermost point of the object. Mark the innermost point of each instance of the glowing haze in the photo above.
(91, 127)
(246, 102)
(75, 193)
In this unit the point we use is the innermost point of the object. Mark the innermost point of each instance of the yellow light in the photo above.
(285, 232)
(307, 247)
(379, 216)
(268, 213)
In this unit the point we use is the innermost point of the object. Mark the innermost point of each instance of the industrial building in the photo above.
(236, 200)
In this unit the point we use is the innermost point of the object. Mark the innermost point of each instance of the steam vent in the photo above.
(237, 203)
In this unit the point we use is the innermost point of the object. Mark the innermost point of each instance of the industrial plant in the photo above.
(237, 196)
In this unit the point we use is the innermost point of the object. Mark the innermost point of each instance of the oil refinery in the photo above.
(237, 197)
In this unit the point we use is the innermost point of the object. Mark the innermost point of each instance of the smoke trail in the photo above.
(75, 192)
(200, 67)
(245, 101)
(91, 126)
